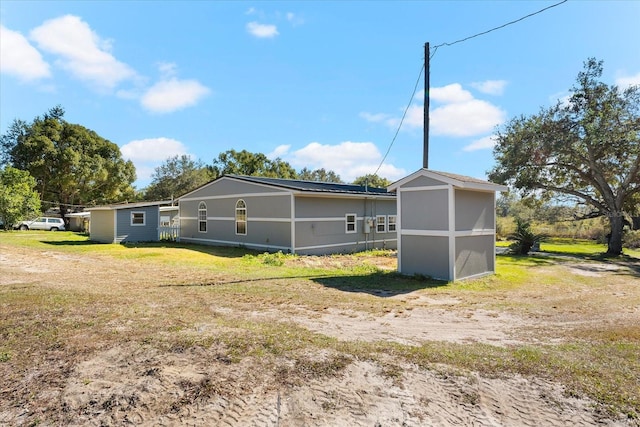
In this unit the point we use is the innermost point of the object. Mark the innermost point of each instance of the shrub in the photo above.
(524, 238)
(632, 240)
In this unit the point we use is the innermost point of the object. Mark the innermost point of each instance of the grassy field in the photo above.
(67, 299)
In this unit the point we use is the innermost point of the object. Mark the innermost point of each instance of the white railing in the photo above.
(170, 233)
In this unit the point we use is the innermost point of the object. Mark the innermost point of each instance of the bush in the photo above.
(524, 238)
(632, 240)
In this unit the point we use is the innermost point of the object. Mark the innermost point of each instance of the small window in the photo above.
(137, 218)
(350, 223)
(241, 217)
(392, 223)
(202, 217)
(381, 224)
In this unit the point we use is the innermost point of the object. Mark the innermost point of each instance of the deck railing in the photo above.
(170, 233)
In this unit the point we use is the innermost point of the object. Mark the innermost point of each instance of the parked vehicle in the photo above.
(42, 223)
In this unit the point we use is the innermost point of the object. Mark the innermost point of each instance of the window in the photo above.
(165, 220)
(381, 224)
(202, 217)
(350, 223)
(241, 217)
(137, 218)
(392, 223)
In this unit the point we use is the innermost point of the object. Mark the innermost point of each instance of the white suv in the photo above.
(43, 223)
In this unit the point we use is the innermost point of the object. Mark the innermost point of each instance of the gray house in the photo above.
(128, 222)
(293, 216)
(446, 225)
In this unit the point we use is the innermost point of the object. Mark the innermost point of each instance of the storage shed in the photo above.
(286, 215)
(446, 225)
(127, 222)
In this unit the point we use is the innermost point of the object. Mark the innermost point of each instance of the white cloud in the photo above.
(491, 87)
(81, 51)
(147, 154)
(262, 30)
(468, 118)
(460, 115)
(348, 159)
(170, 95)
(19, 58)
(625, 81)
(481, 144)
(152, 149)
(279, 151)
(449, 94)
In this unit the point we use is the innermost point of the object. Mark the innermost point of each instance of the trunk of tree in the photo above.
(615, 239)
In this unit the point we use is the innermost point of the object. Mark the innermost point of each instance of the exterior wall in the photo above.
(126, 232)
(474, 256)
(446, 232)
(474, 210)
(268, 216)
(102, 226)
(425, 210)
(426, 255)
(230, 187)
(320, 225)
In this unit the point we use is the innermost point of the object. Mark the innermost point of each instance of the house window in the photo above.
(392, 220)
(350, 223)
(137, 218)
(241, 217)
(165, 220)
(202, 217)
(381, 224)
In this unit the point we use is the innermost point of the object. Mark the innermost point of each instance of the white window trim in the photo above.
(246, 216)
(205, 217)
(354, 222)
(144, 218)
(395, 223)
(383, 223)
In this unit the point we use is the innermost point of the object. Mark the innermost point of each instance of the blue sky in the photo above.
(321, 84)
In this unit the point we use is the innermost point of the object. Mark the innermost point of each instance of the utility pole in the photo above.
(425, 150)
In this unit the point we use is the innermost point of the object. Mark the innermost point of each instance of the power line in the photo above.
(435, 49)
(401, 120)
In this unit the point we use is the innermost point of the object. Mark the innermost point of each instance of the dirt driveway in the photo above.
(93, 340)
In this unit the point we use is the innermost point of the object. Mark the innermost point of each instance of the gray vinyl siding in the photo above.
(138, 233)
(319, 221)
(423, 181)
(268, 219)
(230, 187)
(425, 210)
(426, 255)
(102, 226)
(474, 256)
(321, 225)
(474, 210)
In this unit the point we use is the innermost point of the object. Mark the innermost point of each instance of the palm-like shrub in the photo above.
(524, 238)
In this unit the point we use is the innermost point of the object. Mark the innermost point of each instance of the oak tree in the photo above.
(586, 149)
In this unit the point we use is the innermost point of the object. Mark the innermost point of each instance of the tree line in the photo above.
(50, 162)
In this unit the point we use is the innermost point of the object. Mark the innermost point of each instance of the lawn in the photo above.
(171, 333)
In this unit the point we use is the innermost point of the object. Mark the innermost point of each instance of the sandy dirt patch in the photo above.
(124, 382)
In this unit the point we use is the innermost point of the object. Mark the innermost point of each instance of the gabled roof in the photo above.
(310, 187)
(459, 181)
(119, 206)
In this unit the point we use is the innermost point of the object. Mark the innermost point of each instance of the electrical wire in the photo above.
(431, 55)
(413, 94)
